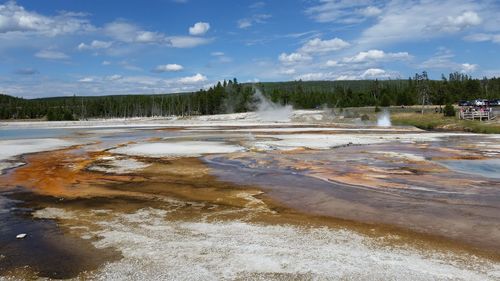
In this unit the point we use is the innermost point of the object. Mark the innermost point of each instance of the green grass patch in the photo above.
(433, 121)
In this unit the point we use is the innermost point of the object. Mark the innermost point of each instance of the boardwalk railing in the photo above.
(481, 115)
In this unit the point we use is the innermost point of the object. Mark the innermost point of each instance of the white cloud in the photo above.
(315, 76)
(195, 79)
(312, 54)
(168, 68)
(51, 55)
(376, 55)
(248, 22)
(466, 19)
(94, 45)
(468, 68)
(105, 62)
(199, 28)
(370, 11)
(332, 63)
(344, 77)
(402, 21)
(15, 18)
(293, 58)
(318, 76)
(257, 5)
(244, 23)
(317, 45)
(221, 57)
(41, 86)
(113, 77)
(374, 72)
(483, 37)
(86, 80)
(371, 73)
(187, 41)
(343, 11)
(444, 60)
(149, 37)
(288, 71)
(130, 33)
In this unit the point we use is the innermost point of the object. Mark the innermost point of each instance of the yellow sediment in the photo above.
(62, 174)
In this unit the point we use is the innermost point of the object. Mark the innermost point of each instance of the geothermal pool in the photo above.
(222, 198)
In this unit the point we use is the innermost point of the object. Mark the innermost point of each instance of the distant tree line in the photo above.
(231, 96)
(413, 91)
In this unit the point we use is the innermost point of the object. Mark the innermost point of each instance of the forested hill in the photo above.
(231, 96)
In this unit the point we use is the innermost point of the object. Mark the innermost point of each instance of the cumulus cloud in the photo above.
(311, 50)
(51, 55)
(248, 22)
(199, 28)
(94, 45)
(86, 80)
(149, 37)
(315, 76)
(130, 33)
(195, 79)
(293, 58)
(466, 19)
(376, 55)
(371, 73)
(374, 72)
(15, 18)
(317, 45)
(468, 68)
(168, 68)
(332, 63)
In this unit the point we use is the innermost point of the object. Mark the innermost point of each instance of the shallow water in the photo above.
(485, 168)
(47, 249)
(33, 133)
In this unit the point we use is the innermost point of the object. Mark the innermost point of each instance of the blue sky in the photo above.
(92, 47)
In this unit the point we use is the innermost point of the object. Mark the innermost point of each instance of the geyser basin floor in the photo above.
(155, 247)
(171, 217)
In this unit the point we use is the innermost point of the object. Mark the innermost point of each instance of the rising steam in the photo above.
(384, 119)
(270, 111)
